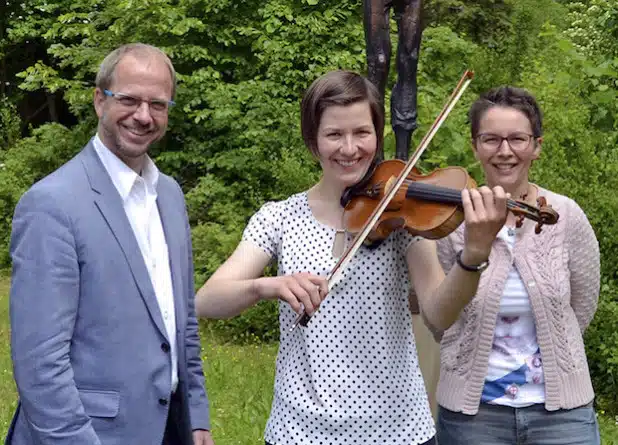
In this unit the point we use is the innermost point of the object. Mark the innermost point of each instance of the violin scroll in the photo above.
(548, 215)
(543, 214)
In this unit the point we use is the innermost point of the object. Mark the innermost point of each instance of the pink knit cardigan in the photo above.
(560, 270)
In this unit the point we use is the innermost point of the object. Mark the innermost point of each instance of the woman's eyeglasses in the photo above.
(517, 141)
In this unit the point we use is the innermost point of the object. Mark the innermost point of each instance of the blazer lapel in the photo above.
(174, 230)
(110, 205)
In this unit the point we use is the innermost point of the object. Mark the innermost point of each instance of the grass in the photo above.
(8, 395)
(609, 430)
(239, 380)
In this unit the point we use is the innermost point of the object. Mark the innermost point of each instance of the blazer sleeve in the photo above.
(584, 266)
(198, 399)
(44, 299)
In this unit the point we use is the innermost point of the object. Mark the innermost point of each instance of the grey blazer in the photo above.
(90, 352)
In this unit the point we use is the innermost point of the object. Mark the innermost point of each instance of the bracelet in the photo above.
(478, 268)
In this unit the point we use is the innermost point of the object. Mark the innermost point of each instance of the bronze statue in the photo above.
(377, 37)
(403, 121)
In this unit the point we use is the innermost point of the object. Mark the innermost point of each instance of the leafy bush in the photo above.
(258, 324)
(9, 125)
(602, 349)
(26, 162)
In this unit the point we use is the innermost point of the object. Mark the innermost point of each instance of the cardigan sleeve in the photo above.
(584, 266)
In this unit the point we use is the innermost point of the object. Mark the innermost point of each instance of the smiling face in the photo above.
(128, 131)
(346, 144)
(503, 165)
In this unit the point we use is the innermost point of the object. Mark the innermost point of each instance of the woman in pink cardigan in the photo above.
(513, 367)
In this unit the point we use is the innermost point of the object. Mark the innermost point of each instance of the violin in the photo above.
(425, 205)
(432, 203)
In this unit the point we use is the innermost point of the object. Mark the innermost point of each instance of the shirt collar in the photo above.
(123, 177)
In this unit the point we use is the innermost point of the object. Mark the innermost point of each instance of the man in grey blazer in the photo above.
(104, 337)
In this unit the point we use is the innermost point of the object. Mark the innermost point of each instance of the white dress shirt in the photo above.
(139, 197)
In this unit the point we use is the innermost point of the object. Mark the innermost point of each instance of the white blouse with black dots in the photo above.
(351, 376)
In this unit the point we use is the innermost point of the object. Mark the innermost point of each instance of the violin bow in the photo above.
(335, 274)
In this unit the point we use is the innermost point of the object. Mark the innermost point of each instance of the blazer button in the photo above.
(165, 347)
(163, 402)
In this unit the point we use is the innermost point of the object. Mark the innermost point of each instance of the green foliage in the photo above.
(7, 385)
(258, 324)
(26, 162)
(445, 56)
(608, 427)
(506, 63)
(9, 125)
(594, 26)
(484, 22)
(602, 348)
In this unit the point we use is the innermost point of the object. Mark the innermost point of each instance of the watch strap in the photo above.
(476, 268)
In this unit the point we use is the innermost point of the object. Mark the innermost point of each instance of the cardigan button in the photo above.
(531, 283)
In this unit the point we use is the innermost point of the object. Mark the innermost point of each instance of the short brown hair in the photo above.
(105, 76)
(339, 88)
(509, 97)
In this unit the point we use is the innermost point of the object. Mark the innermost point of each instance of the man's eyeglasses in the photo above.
(157, 106)
(517, 141)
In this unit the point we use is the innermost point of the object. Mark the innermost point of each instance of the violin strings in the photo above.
(434, 193)
(448, 195)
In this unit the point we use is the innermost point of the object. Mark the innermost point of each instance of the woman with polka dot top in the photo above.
(513, 367)
(352, 375)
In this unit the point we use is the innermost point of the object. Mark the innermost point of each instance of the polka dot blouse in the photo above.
(351, 376)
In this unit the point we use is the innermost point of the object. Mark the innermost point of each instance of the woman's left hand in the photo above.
(485, 213)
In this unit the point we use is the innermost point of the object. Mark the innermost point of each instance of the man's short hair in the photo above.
(105, 76)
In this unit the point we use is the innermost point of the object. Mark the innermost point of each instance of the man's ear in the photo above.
(99, 100)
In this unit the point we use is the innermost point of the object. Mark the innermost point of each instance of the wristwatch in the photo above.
(477, 268)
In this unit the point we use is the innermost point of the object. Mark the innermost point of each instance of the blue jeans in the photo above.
(533, 425)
